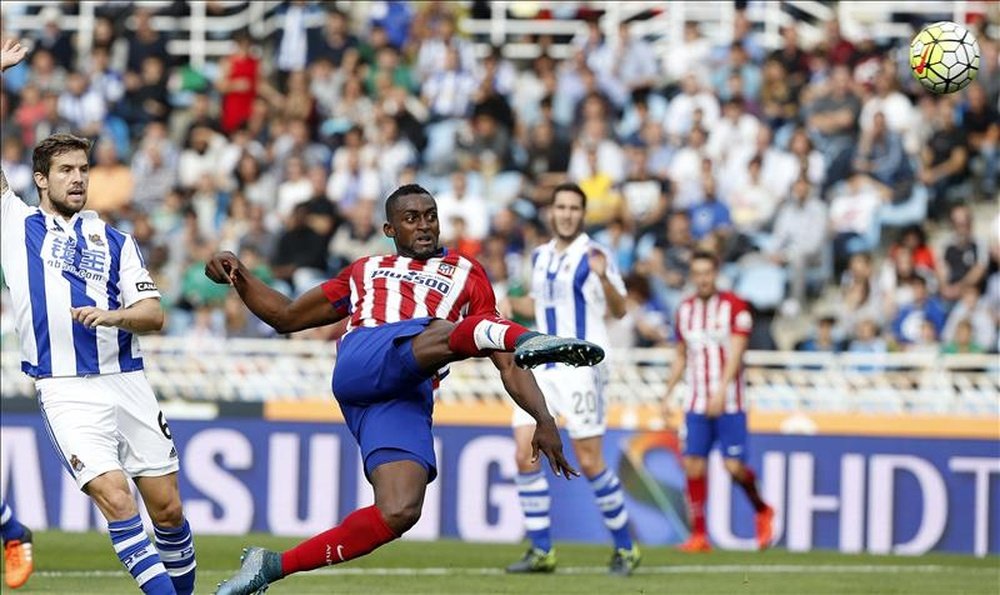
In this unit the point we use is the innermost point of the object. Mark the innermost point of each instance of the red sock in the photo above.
(697, 492)
(477, 336)
(749, 485)
(361, 532)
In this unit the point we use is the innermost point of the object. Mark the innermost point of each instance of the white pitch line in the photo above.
(590, 570)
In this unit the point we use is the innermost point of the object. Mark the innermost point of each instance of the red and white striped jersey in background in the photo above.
(375, 290)
(707, 327)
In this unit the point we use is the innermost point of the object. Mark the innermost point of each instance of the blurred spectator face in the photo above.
(76, 84)
(961, 221)
(594, 130)
(703, 275)
(774, 71)
(928, 334)
(866, 330)
(691, 32)
(824, 332)
(860, 265)
(567, 213)
(142, 21)
(298, 82)
(458, 184)
(800, 145)
(753, 169)
(248, 168)
(239, 207)
(42, 62)
(353, 160)
(152, 70)
(318, 178)
(104, 31)
(790, 36)
(638, 160)
(679, 229)
(652, 134)
(336, 24)
(689, 84)
(13, 151)
(201, 137)
(106, 154)
(388, 130)
(294, 169)
(99, 59)
(976, 96)
(764, 136)
(944, 119)
(696, 138)
(919, 287)
(840, 81)
(800, 190)
(963, 333)
(593, 108)
(388, 59)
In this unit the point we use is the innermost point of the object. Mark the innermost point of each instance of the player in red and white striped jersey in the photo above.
(712, 329)
(410, 314)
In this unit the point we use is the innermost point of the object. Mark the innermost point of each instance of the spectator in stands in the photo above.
(797, 243)
(752, 207)
(258, 186)
(46, 74)
(336, 40)
(353, 184)
(29, 113)
(646, 322)
(709, 216)
(810, 160)
(51, 122)
(486, 146)
(735, 129)
(448, 92)
(738, 64)
(973, 310)
(853, 216)
(841, 51)
(981, 125)
(867, 340)
(108, 41)
(634, 61)
(824, 340)
(52, 39)
(460, 201)
(685, 58)
(395, 153)
(680, 118)
(619, 241)
(145, 43)
(295, 189)
(432, 56)
(927, 341)
(860, 296)
(200, 156)
(357, 237)
(146, 98)
(105, 80)
(831, 117)
(594, 136)
(300, 257)
(965, 258)
(963, 340)
(944, 161)
(687, 171)
(888, 101)
(547, 159)
(18, 173)
(82, 106)
(237, 81)
(793, 59)
(292, 42)
(259, 237)
(880, 155)
(668, 261)
(906, 327)
(646, 197)
(604, 201)
(111, 181)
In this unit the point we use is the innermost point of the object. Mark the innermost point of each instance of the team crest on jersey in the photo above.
(446, 270)
(76, 463)
(95, 239)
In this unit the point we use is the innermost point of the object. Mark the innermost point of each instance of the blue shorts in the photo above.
(730, 429)
(387, 400)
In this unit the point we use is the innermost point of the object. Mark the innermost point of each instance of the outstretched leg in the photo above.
(443, 342)
(399, 495)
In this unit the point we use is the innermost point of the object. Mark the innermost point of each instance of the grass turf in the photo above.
(74, 563)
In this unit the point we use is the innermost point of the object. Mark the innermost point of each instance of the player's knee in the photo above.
(694, 467)
(734, 467)
(169, 514)
(117, 504)
(401, 516)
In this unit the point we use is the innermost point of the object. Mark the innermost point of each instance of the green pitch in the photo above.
(74, 563)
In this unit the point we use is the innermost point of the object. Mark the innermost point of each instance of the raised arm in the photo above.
(11, 54)
(311, 309)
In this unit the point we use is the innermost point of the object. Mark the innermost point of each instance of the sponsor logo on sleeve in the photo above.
(145, 286)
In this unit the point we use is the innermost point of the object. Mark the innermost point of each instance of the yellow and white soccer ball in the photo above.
(944, 57)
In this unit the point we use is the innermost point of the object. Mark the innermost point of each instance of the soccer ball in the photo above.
(944, 57)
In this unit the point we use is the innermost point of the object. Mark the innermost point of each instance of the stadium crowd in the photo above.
(834, 189)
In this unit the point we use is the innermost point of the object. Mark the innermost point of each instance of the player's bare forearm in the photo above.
(311, 309)
(737, 347)
(521, 386)
(11, 54)
(144, 316)
(677, 369)
(615, 300)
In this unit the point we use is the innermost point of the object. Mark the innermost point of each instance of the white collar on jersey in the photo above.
(85, 214)
(581, 241)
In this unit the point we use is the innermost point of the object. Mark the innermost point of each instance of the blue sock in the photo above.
(10, 529)
(140, 558)
(176, 549)
(611, 501)
(533, 491)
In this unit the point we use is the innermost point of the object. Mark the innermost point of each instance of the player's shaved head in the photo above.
(404, 190)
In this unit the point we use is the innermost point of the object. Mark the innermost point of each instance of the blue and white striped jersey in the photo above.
(569, 299)
(52, 265)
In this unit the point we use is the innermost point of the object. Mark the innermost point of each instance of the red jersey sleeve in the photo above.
(480, 294)
(741, 321)
(338, 291)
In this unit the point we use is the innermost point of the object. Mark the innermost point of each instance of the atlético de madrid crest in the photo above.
(446, 270)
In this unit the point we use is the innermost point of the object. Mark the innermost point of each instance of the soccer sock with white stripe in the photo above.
(10, 529)
(139, 556)
(611, 501)
(176, 548)
(533, 491)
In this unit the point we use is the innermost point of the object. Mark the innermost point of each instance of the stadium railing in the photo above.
(211, 370)
(202, 37)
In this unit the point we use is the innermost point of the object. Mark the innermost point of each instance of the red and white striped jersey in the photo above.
(706, 327)
(376, 290)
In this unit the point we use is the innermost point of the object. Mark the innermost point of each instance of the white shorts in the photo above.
(574, 394)
(104, 423)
